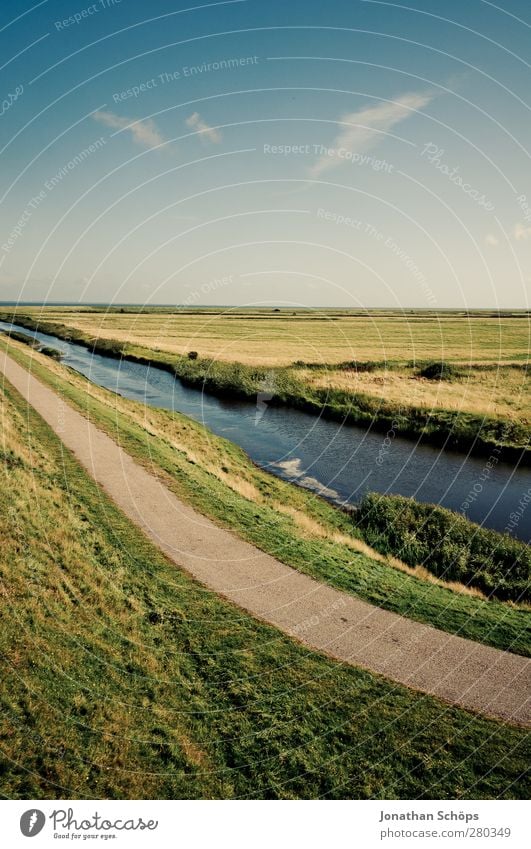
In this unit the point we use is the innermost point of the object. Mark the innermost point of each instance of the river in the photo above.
(339, 461)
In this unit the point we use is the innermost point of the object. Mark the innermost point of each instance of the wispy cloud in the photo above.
(522, 233)
(195, 122)
(368, 126)
(144, 133)
(491, 239)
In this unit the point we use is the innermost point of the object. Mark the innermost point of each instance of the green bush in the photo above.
(21, 337)
(439, 371)
(446, 543)
(51, 352)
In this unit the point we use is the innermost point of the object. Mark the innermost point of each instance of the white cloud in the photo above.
(490, 239)
(195, 122)
(368, 126)
(522, 233)
(144, 133)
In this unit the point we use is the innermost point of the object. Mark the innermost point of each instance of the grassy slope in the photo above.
(287, 522)
(443, 542)
(123, 678)
(459, 429)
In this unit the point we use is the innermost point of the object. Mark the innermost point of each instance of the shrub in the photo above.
(106, 347)
(439, 371)
(192, 355)
(357, 365)
(21, 337)
(446, 543)
(51, 352)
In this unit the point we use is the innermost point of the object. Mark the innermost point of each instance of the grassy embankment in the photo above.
(290, 523)
(447, 544)
(123, 678)
(480, 402)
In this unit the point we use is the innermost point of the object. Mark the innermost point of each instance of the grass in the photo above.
(279, 338)
(31, 342)
(123, 678)
(501, 392)
(442, 541)
(481, 402)
(25, 339)
(290, 523)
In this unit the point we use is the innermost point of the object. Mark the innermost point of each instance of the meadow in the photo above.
(326, 337)
(124, 678)
(369, 368)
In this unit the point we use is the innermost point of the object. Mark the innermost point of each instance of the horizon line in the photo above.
(279, 307)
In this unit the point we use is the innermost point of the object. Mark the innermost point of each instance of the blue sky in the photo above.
(343, 153)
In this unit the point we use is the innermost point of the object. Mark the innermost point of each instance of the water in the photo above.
(337, 460)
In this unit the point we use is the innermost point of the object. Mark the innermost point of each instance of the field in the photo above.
(125, 679)
(502, 391)
(280, 338)
(367, 368)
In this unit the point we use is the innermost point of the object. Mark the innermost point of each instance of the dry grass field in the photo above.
(502, 392)
(269, 338)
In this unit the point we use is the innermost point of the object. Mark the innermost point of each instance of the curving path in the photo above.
(464, 673)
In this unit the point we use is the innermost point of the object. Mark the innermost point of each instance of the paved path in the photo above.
(459, 671)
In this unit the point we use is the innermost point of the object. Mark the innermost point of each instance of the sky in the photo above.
(352, 153)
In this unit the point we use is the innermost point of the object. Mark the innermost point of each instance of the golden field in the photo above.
(502, 392)
(270, 338)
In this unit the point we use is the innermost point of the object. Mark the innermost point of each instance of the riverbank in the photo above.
(296, 386)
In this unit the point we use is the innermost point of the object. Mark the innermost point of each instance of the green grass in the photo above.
(447, 544)
(219, 480)
(123, 678)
